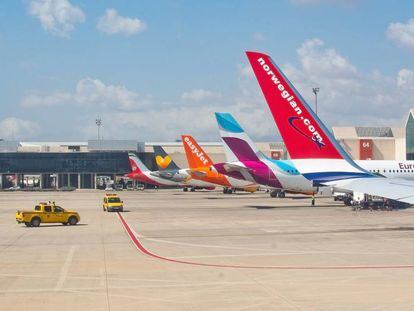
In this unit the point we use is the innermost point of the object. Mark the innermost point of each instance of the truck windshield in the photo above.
(114, 200)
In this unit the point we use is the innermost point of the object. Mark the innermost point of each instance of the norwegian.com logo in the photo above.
(304, 126)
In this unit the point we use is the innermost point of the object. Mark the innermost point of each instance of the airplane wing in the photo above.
(232, 167)
(391, 188)
(196, 172)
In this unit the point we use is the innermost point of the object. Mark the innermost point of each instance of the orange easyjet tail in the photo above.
(196, 156)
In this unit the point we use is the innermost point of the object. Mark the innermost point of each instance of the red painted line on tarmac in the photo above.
(145, 251)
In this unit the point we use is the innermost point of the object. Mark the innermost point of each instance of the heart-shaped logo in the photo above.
(163, 162)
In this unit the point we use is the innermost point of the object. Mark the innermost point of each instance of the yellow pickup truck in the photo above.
(47, 213)
(112, 203)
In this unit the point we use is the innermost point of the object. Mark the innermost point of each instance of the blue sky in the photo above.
(153, 70)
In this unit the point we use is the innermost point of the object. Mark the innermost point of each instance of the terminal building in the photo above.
(86, 165)
(54, 165)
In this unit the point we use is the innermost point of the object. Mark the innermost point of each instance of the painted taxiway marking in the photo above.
(137, 243)
(281, 252)
(65, 268)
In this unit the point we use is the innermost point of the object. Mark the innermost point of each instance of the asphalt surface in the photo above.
(172, 250)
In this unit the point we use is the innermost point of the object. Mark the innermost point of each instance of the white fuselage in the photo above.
(291, 178)
(389, 168)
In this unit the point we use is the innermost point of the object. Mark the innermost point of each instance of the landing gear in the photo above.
(277, 194)
(348, 200)
(185, 189)
(227, 191)
(192, 189)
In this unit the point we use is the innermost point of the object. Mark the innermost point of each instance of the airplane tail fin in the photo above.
(137, 166)
(163, 160)
(237, 144)
(196, 156)
(305, 136)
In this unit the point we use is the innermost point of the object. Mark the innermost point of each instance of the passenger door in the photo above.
(47, 215)
(59, 215)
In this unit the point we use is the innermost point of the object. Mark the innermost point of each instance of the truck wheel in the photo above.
(35, 222)
(28, 224)
(72, 220)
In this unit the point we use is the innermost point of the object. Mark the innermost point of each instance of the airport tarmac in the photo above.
(206, 251)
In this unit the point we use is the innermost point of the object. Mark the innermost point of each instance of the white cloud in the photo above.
(45, 100)
(14, 128)
(405, 79)
(90, 92)
(315, 58)
(56, 16)
(401, 33)
(112, 23)
(199, 95)
(95, 92)
(347, 95)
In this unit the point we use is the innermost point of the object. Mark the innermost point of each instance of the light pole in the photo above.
(315, 91)
(98, 123)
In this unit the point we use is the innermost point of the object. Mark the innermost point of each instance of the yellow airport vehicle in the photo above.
(47, 213)
(112, 203)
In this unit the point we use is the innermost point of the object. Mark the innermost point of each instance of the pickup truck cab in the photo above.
(112, 203)
(47, 213)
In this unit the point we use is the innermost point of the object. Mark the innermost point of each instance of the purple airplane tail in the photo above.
(237, 144)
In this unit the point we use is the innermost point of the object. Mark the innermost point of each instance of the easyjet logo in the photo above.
(290, 99)
(195, 151)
